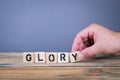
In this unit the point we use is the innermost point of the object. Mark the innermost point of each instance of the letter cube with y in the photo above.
(40, 57)
(28, 57)
(63, 57)
(74, 56)
(51, 57)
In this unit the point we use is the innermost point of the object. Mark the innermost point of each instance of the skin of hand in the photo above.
(96, 39)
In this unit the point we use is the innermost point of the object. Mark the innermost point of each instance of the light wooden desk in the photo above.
(13, 68)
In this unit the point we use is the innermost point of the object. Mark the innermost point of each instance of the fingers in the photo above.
(92, 41)
(78, 43)
(89, 52)
(82, 40)
(85, 43)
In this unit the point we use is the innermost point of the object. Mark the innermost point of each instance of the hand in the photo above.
(96, 39)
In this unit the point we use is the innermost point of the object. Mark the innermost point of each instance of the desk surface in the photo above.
(13, 68)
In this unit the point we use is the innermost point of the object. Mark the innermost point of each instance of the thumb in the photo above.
(89, 52)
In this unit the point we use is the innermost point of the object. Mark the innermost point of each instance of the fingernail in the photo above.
(94, 56)
(81, 56)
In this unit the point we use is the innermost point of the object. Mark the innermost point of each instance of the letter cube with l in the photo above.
(40, 57)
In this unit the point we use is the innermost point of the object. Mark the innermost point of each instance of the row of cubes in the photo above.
(50, 57)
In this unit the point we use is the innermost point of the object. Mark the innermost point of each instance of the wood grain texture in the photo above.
(13, 68)
(59, 73)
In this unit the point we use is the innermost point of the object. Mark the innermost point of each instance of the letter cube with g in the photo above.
(28, 57)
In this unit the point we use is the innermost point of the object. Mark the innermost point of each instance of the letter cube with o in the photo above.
(51, 57)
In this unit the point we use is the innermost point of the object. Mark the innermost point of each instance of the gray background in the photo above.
(51, 25)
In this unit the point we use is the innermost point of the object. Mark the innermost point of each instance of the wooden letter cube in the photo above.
(28, 57)
(40, 57)
(63, 57)
(74, 56)
(51, 57)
